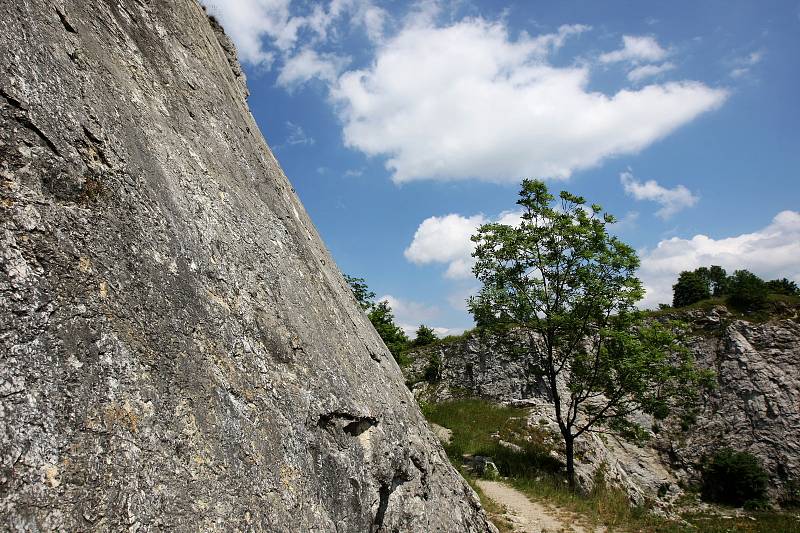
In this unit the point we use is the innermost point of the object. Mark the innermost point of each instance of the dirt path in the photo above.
(528, 516)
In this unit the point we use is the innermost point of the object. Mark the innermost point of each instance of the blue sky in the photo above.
(404, 125)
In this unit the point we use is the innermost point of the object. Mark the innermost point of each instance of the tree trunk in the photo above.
(569, 443)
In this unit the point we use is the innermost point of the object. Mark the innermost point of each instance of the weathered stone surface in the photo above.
(755, 407)
(178, 350)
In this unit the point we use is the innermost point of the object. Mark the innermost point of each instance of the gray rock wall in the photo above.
(178, 350)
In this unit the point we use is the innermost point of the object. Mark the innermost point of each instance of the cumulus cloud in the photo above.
(307, 65)
(446, 240)
(671, 200)
(771, 252)
(648, 71)
(260, 28)
(636, 49)
(250, 22)
(467, 101)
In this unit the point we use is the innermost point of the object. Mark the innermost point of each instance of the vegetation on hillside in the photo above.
(477, 428)
(743, 290)
(382, 318)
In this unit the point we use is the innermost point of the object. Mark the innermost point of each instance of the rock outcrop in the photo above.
(755, 406)
(178, 350)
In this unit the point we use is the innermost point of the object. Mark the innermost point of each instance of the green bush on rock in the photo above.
(735, 478)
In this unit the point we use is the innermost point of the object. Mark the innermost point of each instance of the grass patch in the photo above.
(477, 426)
(757, 522)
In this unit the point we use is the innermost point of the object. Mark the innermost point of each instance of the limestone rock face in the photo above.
(178, 351)
(755, 406)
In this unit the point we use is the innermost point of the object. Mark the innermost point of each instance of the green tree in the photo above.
(363, 295)
(424, 336)
(380, 315)
(564, 290)
(747, 291)
(393, 336)
(718, 280)
(691, 287)
(783, 286)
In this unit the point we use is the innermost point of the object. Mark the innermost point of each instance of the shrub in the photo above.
(734, 478)
(425, 336)
(691, 287)
(433, 372)
(783, 286)
(747, 291)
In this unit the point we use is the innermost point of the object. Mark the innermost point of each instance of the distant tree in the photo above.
(380, 315)
(783, 286)
(566, 290)
(363, 295)
(718, 280)
(747, 291)
(425, 336)
(691, 287)
(393, 336)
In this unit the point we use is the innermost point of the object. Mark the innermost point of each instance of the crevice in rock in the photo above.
(351, 424)
(67, 26)
(26, 121)
(384, 493)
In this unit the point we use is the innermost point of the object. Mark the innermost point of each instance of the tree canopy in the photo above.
(380, 315)
(424, 336)
(567, 291)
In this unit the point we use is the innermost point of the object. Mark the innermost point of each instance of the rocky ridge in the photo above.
(178, 350)
(755, 406)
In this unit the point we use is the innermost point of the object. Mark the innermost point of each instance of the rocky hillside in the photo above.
(178, 350)
(755, 407)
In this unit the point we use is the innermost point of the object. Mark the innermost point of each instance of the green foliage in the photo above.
(380, 315)
(383, 320)
(783, 286)
(734, 478)
(474, 423)
(363, 295)
(691, 287)
(791, 495)
(425, 336)
(433, 371)
(743, 289)
(747, 291)
(560, 280)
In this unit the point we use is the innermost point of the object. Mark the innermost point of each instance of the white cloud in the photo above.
(447, 240)
(409, 315)
(307, 65)
(743, 64)
(648, 71)
(671, 200)
(466, 101)
(249, 22)
(297, 135)
(770, 252)
(261, 27)
(635, 49)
